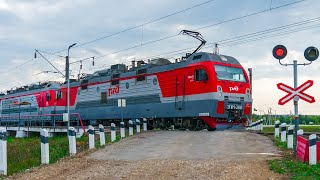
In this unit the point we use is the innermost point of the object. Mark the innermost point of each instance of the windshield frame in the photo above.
(245, 80)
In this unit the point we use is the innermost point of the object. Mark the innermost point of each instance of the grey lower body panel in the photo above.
(150, 110)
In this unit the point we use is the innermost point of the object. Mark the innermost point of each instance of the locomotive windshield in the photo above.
(229, 73)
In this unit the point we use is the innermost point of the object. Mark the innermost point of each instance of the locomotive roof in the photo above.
(204, 56)
(165, 65)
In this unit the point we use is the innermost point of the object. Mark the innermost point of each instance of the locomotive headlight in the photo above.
(219, 88)
(248, 93)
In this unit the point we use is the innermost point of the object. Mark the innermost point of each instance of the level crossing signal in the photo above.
(311, 53)
(279, 52)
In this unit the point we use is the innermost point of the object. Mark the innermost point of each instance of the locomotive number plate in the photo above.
(234, 106)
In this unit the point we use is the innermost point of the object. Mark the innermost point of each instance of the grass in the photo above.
(289, 165)
(309, 128)
(25, 153)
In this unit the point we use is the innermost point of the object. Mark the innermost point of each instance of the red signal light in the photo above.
(279, 52)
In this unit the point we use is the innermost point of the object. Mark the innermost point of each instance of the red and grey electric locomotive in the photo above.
(202, 90)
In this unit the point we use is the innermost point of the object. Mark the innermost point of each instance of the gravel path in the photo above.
(171, 155)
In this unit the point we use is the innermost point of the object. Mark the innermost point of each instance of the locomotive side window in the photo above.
(59, 95)
(48, 96)
(114, 82)
(84, 84)
(201, 75)
(141, 78)
(141, 74)
(103, 97)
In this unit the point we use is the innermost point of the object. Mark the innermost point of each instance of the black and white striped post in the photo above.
(3, 151)
(138, 125)
(91, 137)
(44, 139)
(72, 141)
(261, 125)
(276, 128)
(283, 127)
(257, 125)
(300, 132)
(102, 135)
(290, 137)
(130, 128)
(312, 149)
(145, 128)
(113, 132)
(122, 130)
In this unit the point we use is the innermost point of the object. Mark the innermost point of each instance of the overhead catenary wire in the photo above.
(203, 27)
(292, 25)
(141, 25)
(258, 38)
(275, 35)
(225, 42)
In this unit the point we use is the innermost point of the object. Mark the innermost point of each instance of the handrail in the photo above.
(44, 115)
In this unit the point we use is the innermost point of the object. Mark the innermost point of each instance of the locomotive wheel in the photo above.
(193, 125)
(161, 124)
(186, 124)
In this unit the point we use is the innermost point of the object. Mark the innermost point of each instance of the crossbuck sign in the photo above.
(296, 93)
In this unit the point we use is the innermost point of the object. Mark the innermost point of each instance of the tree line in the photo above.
(289, 119)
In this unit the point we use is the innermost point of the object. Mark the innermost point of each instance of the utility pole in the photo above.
(250, 78)
(68, 83)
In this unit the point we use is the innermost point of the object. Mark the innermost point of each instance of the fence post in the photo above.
(145, 124)
(276, 128)
(251, 126)
(72, 141)
(91, 137)
(44, 139)
(113, 132)
(102, 135)
(290, 138)
(312, 149)
(3, 151)
(300, 132)
(257, 124)
(130, 128)
(122, 130)
(261, 125)
(283, 132)
(138, 125)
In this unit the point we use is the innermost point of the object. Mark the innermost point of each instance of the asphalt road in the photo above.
(191, 145)
(166, 155)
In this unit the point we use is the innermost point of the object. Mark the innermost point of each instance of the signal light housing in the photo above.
(311, 53)
(279, 52)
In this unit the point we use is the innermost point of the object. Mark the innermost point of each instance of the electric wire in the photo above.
(204, 27)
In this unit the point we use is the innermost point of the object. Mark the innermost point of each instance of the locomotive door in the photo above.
(180, 92)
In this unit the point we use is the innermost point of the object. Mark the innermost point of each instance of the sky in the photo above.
(245, 29)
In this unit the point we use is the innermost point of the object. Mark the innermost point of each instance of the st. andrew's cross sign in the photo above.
(296, 92)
